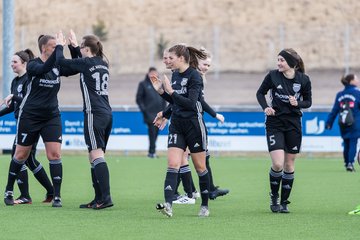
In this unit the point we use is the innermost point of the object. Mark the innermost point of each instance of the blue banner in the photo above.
(236, 124)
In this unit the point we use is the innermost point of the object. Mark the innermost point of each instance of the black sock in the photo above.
(275, 180)
(204, 183)
(170, 184)
(14, 169)
(178, 181)
(56, 175)
(43, 179)
(103, 177)
(287, 182)
(186, 178)
(212, 186)
(23, 182)
(95, 184)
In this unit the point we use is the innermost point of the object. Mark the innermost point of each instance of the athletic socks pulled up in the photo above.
(275, 180)
(204, 184)
(95, 184)
(186, 178)
(103, 177)
(23, 182)
(287, 182)
(56, 175)
(170, 184)
(14, 169)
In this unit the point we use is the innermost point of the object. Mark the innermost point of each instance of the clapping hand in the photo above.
(167, 85)
(72, 39)
(157, 84)
(60, 39)
(160, 121)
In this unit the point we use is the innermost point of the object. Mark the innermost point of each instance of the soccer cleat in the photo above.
(88, 205)
(185, 200)
(57, 202)
(350, 168)
(355, 212)
(103, 204)
(9, 198)
(217, 193)
(48, 198)
(165, 208)
(196, 194)
(152, 155)
(274, 203)
(23, 200)
(204, 211)
(284, 207)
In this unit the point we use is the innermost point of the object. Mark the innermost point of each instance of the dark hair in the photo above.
(25, 55)
(152, 69)
(190, 54)
(300, 63)
(96, 47)
(346, 79)
(43, 40)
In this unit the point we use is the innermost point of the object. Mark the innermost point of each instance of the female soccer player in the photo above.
(39, 114)
(13, 101)
(290, 91)
(187, 128)
(94, 77)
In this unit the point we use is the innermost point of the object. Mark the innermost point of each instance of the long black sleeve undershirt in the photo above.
(35, 68)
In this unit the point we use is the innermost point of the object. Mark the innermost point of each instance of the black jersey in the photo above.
(187, 94)
(44, 83)
(281, 88)
(18, 89)
(94, 77)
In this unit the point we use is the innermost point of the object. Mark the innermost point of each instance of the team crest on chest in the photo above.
(184, 82)
(296, 87)
(56, 71)
(19, 88)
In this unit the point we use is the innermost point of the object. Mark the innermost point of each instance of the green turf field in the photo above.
(323, 194)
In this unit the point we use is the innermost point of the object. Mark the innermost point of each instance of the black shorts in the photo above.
(190, 133)
(29, 130)
(284, 133)
(97, 129)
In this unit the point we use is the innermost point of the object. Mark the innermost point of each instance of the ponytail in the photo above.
(190, 54)
(346, 79)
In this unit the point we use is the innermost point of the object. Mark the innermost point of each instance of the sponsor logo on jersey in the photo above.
(279, 87)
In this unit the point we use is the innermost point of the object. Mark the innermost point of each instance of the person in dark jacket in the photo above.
(350, 134)
(150, 103)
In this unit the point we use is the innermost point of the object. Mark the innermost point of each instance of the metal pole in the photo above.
(8, 44)
(151, 46)
(216, 53)
(281, 36)
(347, 49)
